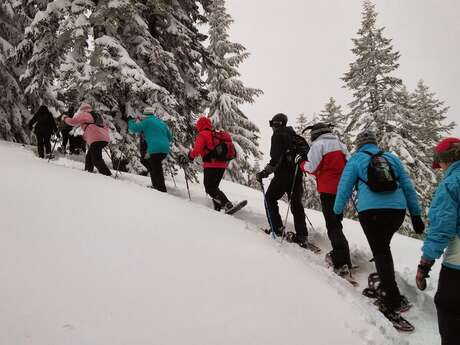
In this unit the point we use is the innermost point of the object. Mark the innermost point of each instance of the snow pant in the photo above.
(43, 142)
(94, 158)
(212, 178)
(447, 300)
(340, 250)
(156, 171)
(65, 138)
(379, 226)
(282, 184)
(143, 153)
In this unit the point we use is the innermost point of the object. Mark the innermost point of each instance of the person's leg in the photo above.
(447, 301)
(89, 166)
(379, 230)
(96, 157)
(156, 171)
(40, 145)
(65, 139)
(340, 250)
(297, 209)
(275, 191)
(212, 178)
(47, 141)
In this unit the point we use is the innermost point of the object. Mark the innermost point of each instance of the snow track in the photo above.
(245, 287)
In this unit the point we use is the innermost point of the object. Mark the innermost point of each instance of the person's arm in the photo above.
(135, 126)
(53, 123)
(33, 120)
(79, 119)
(315, 155)
(443, 221)
(409, 191)
(345, 189)
(198, 148)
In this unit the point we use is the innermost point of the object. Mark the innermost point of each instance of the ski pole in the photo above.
(174, 180)
(289, 202)
(186, 182)
(267, 211)
(117, 170)
(52, 150)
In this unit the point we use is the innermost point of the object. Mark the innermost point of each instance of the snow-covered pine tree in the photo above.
(13, 111)
(370, 76)
(332, 114)
(301, 123)
(227, 92)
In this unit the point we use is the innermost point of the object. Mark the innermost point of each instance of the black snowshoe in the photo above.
(343, 271)
(291, 237)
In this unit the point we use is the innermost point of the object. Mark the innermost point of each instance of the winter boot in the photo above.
(328, 259)
(278, 232)
(343, 271)
(228, 206)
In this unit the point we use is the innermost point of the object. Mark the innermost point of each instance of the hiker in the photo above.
(282, 164)
(213, 169)
(96, 135)
(326, 160)
(45, 126)
(65, 130)
(158, 138)
(443, 237)
(381, 206)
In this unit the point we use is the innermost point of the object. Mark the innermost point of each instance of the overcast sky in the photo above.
(300, 48)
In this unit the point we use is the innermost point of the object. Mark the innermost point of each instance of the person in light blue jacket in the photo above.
(381, 214)
(443, 237)
(158, 137)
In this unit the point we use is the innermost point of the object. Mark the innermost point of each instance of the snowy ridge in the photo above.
(86, 259)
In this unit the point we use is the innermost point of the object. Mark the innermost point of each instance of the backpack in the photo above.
(224, 149)
(380, 174)
(299, 146)
(98, 119)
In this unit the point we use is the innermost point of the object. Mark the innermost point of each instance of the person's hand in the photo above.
(423, 270)
(418, 225)
(58, 135)
(183, 160)
(299, 158)
(261, 175)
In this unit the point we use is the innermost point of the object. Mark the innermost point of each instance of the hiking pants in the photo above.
(340, 251)
(282, 184)
(379, 226)
(94, 158)
(447, 301)
(212, 178)
(156, 171)
(43, 142)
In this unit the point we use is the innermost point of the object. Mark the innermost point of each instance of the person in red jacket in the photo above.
(326, 160)
(213, 169)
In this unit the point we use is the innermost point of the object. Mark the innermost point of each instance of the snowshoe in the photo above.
(235, 208)
(278, 233)
(400, 323)
(291, 237)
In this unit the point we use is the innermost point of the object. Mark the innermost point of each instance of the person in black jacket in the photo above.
(66, 129)
(45, 126)
(283, 166)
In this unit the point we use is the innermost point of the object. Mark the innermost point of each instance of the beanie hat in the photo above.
(447, 151)
(365, 137)
(85, 107)
(149, 111)
(278, 120)
(319, 129)
(203, 123)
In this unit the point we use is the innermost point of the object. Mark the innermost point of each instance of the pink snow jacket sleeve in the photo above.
(92, 133)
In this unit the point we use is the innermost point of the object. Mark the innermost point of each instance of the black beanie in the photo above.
(319, 129)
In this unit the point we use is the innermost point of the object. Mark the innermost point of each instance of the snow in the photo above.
(87, 259)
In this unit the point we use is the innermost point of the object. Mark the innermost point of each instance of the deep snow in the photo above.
(86, 259)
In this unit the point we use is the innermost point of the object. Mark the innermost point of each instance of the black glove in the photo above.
(423, 271)
(418, 224)
(183, 160)
(261, 175)
(299, 158)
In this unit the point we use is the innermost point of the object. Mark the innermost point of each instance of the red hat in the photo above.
(203, 123)
(447, 150)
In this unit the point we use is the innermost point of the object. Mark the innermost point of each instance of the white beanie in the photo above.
(149, 111)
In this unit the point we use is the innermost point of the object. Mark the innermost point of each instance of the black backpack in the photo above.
(98, 119)
(299, 146)
(380, 174)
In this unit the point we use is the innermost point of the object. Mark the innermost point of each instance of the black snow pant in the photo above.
(65, 138)
(43, 142)
(282, 184)
(379, 226)
(340, 250)
(156, 171)
(212, 178)
(447, 302)
(94, 158)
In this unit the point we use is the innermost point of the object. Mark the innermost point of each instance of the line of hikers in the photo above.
(384, 192)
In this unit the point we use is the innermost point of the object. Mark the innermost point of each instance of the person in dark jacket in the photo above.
(381, 214)
(326, 160)
(45, 126)
(443, 238)
(65, 130)
(283, 166)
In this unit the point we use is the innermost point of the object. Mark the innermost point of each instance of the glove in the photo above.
(299, 158)
(58, 135)
(339, 217)
(183, 160)
(424, 268)
(261, 175)
(418, 224)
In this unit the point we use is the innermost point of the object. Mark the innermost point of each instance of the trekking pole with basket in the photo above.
(268, 211)
(289, 203)
(54, 147)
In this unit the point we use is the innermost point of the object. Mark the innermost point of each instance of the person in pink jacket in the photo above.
(96, 136)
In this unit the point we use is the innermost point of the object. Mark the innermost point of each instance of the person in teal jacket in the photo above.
(381, 214)
(443, 237)
(158, 137)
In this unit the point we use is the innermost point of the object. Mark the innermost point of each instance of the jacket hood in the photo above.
(203, 123)
(86, 108)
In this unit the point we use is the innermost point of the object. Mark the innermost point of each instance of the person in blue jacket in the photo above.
(443, 237)
(158, 137)
(381, 214)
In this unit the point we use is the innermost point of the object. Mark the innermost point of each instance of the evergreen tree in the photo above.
(227, 92)
(370, 77)
(332, 114)
(301, 123)
(13, 112)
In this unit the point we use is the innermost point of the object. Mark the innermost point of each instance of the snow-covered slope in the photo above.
(86, 259)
